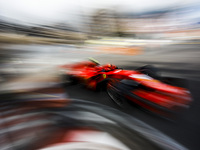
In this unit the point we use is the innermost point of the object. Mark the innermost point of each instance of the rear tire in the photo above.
(150, 71)
(180, 82)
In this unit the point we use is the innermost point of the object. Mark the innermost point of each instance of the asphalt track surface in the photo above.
(179, 60)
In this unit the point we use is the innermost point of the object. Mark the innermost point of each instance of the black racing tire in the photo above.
(150, 71)
(116, 97)
(67, 80)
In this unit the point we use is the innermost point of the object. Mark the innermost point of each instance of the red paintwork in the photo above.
(150, 108)
(168, 101)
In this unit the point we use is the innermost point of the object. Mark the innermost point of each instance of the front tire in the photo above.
(67, 80)
(116, 96)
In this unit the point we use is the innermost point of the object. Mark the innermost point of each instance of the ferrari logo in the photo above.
(104, 76)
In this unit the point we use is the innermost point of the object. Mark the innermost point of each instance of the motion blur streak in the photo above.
(39, 36)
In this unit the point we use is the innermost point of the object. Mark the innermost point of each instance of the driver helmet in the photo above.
(110, 66)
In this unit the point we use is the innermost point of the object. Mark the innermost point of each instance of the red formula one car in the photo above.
(143, 86)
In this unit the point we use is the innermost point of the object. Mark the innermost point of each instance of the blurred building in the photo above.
(103, 23)
(163, 23)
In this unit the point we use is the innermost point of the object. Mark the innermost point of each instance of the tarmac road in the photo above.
(178, 60)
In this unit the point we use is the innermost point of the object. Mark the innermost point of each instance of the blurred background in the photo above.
(36, 36)
(31, 32)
